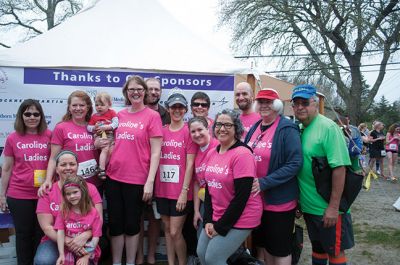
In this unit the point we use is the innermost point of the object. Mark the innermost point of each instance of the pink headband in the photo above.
(69, 185)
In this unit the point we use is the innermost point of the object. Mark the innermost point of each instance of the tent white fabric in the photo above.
(134, 34)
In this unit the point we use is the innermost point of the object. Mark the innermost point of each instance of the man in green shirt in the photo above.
(330, 231)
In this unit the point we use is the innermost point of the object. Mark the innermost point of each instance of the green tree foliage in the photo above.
(386, 112)
(33, 17)
(336, 38)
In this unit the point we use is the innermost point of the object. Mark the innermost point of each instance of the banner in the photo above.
(53, 86)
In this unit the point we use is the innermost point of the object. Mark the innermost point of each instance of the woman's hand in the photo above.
(83, 260)
(44, 188)
(255, 188)
(196, 218)
(182, 200)
(3, 203)
(210, 231)
(60, 260)
(148, 191)
(77, 244)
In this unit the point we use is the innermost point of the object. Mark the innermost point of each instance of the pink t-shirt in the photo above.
(261, 143)
(75, 224)
(50, 203)
(199, 163)
(77, 139)
(31, 153)
(220, 173)
(130, 160)
(393, 145)
(249, 120)
(171, 174)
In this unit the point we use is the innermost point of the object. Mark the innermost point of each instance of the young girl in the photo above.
(103, 123)
(77, 215)
(392, 148)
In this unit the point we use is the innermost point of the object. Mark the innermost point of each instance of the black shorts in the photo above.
(391, 151)
(330, 240)
(275, 232)
(124, 206)
(375, 153)
(168, 207)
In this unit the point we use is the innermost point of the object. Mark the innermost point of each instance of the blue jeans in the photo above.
(46, 253)
(216, 250)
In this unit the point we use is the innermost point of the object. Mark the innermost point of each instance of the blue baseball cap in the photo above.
(304, 91)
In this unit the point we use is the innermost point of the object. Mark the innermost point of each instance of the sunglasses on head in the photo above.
(198, 104)
(35, 114)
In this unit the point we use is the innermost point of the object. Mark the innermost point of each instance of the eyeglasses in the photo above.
(138, 90)
(227, 126)
(35, 114)
(304, 103)
(198, 104)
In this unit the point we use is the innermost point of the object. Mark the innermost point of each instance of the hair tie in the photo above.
(70, 185)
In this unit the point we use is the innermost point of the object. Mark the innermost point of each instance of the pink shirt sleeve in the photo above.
(241, 165)
(59, 223)
(8, 147)
(43, 205)
(97, 224)
(94, 194)
(155, 126)
(58, 135)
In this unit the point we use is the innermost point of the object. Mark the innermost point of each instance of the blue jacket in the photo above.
(280, 185)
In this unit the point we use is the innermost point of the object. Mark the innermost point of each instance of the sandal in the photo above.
(102, 174)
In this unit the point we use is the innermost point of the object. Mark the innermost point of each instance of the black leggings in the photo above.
(27, 230)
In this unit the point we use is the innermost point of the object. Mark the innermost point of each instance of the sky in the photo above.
(202, 18)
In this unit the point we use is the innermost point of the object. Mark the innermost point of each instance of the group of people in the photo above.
(212, 181)
(379, 146)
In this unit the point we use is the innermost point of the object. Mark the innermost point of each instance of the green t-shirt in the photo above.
(321, 138)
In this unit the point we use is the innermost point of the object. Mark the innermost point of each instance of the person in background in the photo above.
(392, 148)
(102, 124)
(329, 230)
(200, 105)
(132, 169)
(173, 187)
(66, 163)
(377, 148)
(26, 153)
(363, 128)
(230, 211)
(71, 134)
(244, 98)
(154, 224)
(276, 144)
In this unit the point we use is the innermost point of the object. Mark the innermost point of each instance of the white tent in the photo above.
(133, 34)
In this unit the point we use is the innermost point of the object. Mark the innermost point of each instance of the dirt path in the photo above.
(375, 222)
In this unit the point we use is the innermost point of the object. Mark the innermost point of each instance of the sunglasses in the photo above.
(301, 103)
(28, 114)
(198, 104)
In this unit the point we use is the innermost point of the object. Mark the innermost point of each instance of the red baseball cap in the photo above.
(267, 93)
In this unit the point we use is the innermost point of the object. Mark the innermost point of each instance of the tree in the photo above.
(335, 39)
(35, 16)
(386, 112)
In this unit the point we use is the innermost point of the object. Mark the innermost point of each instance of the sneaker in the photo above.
(193, 260)
(378, 172)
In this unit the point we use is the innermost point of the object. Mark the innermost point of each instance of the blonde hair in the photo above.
(103, 97)
(85, 204)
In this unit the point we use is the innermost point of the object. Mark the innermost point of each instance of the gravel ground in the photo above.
(371, 211)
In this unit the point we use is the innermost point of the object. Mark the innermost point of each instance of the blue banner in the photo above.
(90, 78)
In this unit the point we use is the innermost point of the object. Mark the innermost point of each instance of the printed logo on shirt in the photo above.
(173, 143)
(214, 184)
(34, 145)
(200, 168)
(130, 124)
(35, 157)
(83, 136)
(171, 156)
(54, 207)
(217, 169)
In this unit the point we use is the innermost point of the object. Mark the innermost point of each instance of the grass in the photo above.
(377, 235)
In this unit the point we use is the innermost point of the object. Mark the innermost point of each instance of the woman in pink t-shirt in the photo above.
(199, 131)
(71, 134)
(230, 211)
(26, 153)
(276, 144)
(392, 148)
(132, 169)
(173, 189)
(66, 163)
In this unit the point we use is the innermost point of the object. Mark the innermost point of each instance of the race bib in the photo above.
(393, 147)
(39, 176)
(87, 168)
(169, 173)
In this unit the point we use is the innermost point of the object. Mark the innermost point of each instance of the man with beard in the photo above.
(153, 97)
(244, 98)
